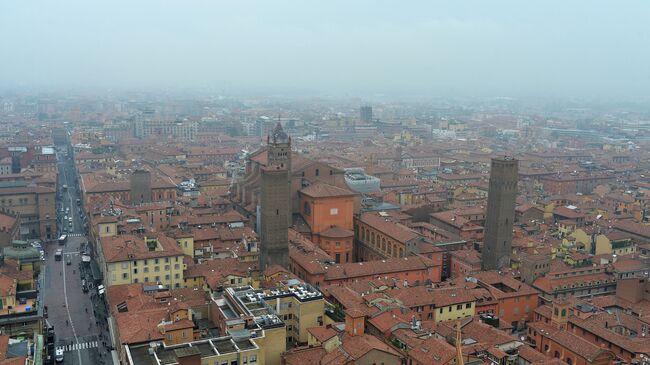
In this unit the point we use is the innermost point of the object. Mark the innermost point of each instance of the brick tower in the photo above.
(502, 193)
(275, 201)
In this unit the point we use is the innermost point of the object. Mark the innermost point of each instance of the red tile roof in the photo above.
(323, 190)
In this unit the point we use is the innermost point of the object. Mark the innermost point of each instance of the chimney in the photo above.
(354, 322)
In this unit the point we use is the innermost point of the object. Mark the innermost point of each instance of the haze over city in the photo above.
(325, 182)
(461, 48)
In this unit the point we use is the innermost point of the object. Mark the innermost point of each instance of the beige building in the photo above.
(36, 207)
(131, 259)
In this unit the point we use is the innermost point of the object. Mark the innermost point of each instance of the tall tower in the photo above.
(275, 201)
(502, 193)
(140, 187)
(365, 114)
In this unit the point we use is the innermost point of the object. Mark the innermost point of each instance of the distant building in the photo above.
(500, 214)
(145, 126)
(365, 114)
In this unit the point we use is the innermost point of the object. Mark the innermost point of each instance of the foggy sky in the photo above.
(473, 48)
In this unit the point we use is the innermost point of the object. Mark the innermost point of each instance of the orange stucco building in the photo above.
(328, 211)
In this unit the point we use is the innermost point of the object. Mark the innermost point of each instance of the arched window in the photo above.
(390, 250)
(372, 238)
(366, 236)
(401, 252)
(569, 361)
(383, 245)
(557, 354)
(563, 312)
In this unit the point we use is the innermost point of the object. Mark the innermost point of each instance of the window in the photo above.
(184, 334)
(546, 348)
(176, 267)
(334, 211)
(166, 259)
(468, 305)
(317, 172)
(157, 278)
(156, 268)
(125, 265)
(146, 279)
(135, 270)
(338, 258)
(459, 307)
(156, 261)
(177, 276)
(166, 267)
(556, 354)
(146, 269)
(167, 277)
(306, 208)
(135, 263)
(239, 280)
(125, 275)
(253, 358)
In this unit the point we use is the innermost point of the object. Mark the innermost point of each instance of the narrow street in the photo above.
(78, 315)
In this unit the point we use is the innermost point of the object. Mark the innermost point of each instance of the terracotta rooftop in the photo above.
(323, 190)
(568, 340)
(129, 247)
(389, 226)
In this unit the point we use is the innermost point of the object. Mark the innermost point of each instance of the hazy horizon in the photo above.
(465, 48)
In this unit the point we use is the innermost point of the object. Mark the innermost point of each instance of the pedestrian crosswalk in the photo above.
(80, 346)
(75, 234)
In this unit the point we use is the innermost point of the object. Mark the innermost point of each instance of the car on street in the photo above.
(58, 357)
(68, 261)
